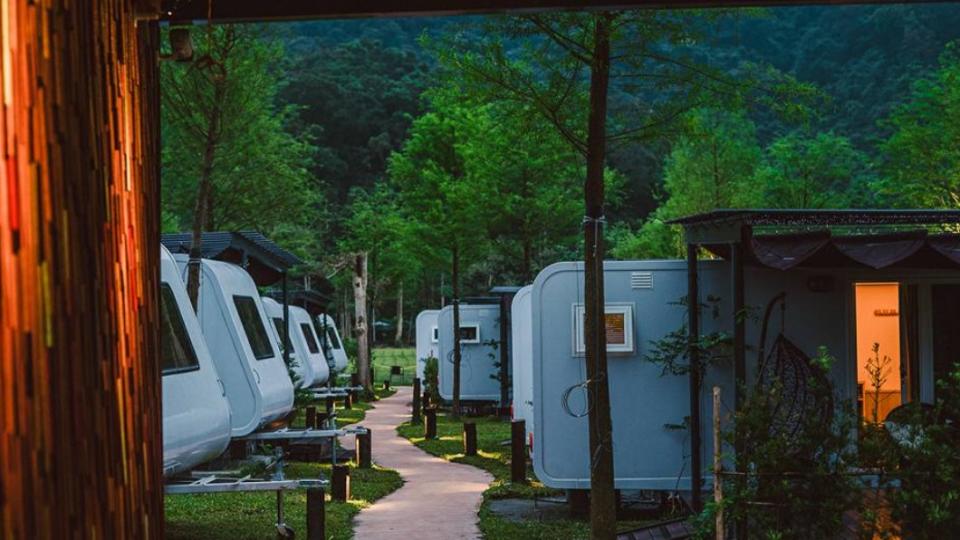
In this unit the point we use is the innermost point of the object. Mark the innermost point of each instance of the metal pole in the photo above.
(693, 311)
(504, 352)
(718, 466)
(739, 353)
(286, 320)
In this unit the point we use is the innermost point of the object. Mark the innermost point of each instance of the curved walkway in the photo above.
(439, 500)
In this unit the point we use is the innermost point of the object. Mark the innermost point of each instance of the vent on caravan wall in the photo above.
(641, 280)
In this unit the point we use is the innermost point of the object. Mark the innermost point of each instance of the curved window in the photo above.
(176, 349)
(253, 327)
(310, 337)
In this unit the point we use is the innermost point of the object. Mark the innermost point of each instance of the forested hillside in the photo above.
(456, 143)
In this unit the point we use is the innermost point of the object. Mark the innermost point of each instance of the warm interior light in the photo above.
(878, 349)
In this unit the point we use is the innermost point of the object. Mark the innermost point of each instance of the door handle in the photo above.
(257, 373)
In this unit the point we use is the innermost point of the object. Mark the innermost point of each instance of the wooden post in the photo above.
(364, 448)
(426, 402)
(579, 502)
(717, 464)
(316, 514)
(310, 422)
(518, 452)
(386, 384)
(693, 354)
(348, 401)
(430, 423)
(340, 486)
(354, 379)
(469, 439)
(416, 400)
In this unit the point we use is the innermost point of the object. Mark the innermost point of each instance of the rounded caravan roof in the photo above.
(301, 323)
(338, 355)
(521, 357)
(196, 413)
(257, 383)
(428, 339)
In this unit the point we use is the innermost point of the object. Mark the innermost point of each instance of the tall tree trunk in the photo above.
(398, 338)
(603, 519)
(527, 258)
(455, 277)
(346, 328)
(360, 311)
(202, 209)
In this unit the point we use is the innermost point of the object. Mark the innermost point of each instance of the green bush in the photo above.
(431, 379)
(795, 484)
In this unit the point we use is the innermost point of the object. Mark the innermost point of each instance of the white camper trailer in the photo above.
(309, 362)
(196, 413)
(428, 338)
(521, 357)
(248, 359)
(479, 339)
(812, 289)
(330, 339)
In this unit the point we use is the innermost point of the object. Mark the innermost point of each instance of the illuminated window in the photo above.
(176, 349)
(253, 327)
(619, 328)
(878, 349)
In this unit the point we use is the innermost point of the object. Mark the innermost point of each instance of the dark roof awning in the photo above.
(264, 260)
(315, 301)
(821, 249)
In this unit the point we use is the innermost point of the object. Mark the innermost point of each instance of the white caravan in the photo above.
(428, 338)
(305, 355)
(196, 413)
(521, 321)
(247, 358)
(330, 339)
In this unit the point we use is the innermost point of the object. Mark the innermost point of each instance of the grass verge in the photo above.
(493, 455)
(251, 516)
(243, 516)
(384, 357)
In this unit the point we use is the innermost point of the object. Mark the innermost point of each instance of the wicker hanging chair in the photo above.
(790, 368)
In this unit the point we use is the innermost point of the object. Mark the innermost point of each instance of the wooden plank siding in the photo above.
(80, 415)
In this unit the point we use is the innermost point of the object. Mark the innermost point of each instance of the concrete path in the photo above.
(439, 500)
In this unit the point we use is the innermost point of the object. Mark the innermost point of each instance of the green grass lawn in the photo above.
(385, 357)
(494, 457)
(241, 516)
(251, 516)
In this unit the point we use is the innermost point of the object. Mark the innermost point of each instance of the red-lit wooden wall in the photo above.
(80, 439)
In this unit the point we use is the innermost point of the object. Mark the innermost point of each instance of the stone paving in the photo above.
(439, 499)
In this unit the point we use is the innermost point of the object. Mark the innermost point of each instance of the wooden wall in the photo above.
(80, 416)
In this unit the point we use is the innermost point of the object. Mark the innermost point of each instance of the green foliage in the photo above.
(357, 99)
(796, 484)
(927, 502)
(431, 379)
(823, 170)
(220, 111)
(923, 159)
(672, 352)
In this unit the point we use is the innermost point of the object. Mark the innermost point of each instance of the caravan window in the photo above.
(311, 339)
(253, 327)
(435, 335)
(278, 324)
(470, 333)
(329, 331)
(176, 349)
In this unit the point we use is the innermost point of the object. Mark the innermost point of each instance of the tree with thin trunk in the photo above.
(562, 65)
(361, 325)
(226, 150)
